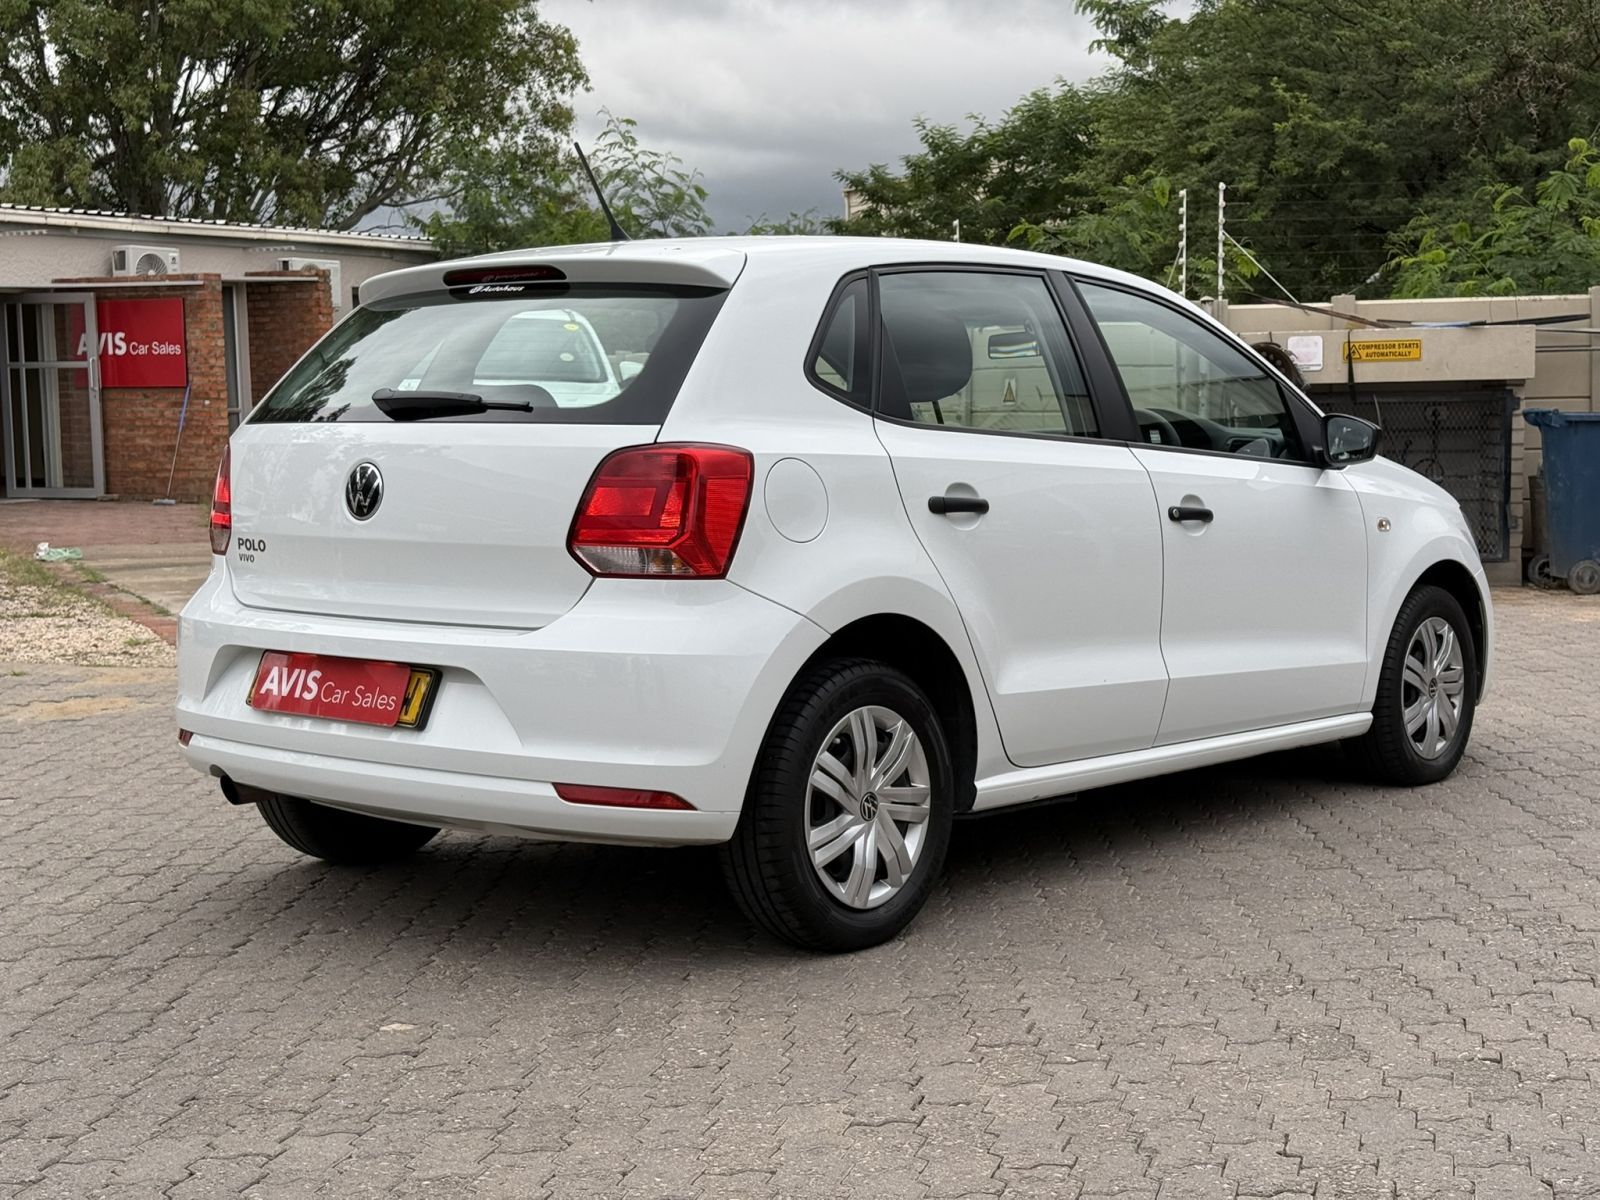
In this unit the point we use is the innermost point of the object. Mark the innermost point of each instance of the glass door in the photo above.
(50, 396)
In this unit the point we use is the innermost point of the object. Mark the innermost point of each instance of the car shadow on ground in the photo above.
(526, 900)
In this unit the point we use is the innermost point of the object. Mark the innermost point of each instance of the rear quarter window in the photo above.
(571, 353)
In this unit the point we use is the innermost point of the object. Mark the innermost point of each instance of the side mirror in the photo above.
(1347, 440)
(628, 369)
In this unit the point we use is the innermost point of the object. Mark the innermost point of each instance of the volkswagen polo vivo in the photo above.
(865, 535)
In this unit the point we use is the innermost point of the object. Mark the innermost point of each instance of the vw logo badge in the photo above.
(363, 491)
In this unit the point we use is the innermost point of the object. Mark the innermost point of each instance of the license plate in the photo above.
(343, 689)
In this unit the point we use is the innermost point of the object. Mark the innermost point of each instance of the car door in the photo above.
(1042, 527)
(1265, 592)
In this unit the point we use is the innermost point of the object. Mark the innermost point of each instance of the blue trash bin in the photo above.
(1572, 494)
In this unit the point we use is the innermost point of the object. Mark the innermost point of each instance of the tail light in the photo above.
(664, 510)
(222, 506)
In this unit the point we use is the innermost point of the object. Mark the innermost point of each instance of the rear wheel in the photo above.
(1427, 693)
(848, 814)
(337, 836)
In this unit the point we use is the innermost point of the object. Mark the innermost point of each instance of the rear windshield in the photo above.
(575, 353)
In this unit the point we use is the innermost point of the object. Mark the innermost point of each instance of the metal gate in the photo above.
(1460, 440)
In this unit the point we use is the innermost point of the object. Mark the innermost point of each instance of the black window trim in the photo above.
(814, 348)
(1100, 411)
(1307, 424)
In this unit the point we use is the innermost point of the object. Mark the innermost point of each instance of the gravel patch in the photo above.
(44, 619)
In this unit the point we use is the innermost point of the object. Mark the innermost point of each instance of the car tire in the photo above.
(337, 836)
(820, 855)
(1425, 684)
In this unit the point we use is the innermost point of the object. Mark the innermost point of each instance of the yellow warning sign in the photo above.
(1386, 350)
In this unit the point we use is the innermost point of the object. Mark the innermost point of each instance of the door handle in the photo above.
(945, 505)
(1190, 512)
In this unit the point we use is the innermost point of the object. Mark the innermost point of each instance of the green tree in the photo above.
(1024, 167)
(795, 224)
(1511, 244)
(652, 192)
(1137, 231)
(283, 111)
(531, 192)
(504, 196)
(1333, 123)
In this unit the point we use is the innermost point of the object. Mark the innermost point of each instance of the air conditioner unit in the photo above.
(330, 265)
(149, 261)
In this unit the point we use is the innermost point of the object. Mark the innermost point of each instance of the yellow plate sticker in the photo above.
(1385, 350)
(416, 698)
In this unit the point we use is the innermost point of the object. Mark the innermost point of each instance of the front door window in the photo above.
(1188, 386)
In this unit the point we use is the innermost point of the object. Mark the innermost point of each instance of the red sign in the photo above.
(141, 343)
(342, 689)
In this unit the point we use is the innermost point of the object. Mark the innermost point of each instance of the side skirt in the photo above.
(1041, 783)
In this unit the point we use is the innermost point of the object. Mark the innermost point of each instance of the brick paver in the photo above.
(1270, 979)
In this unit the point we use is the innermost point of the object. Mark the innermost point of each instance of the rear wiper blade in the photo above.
(419, 405)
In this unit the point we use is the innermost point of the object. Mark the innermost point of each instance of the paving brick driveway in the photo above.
(1251, 981)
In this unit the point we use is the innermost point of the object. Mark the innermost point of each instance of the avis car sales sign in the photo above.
(141, 344)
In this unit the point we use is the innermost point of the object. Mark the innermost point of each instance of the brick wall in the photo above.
(286, 314)
(140, 425)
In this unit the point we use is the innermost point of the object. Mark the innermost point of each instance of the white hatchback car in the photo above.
(872, 535)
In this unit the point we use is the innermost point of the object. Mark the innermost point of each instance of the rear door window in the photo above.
(571, 353)
(979, 351)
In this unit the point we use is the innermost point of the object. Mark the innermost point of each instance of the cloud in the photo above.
(768, 98)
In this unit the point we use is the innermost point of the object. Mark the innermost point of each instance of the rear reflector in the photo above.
(663, 510)
(575, 793)
(184, 737)
(222, 505)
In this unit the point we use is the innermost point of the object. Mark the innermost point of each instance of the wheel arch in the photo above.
(917, 650)
(1455, 577)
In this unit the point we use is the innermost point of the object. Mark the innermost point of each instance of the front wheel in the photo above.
(848, 813)
(1427, 693)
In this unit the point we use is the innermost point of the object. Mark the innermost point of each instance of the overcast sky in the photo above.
(767, 98)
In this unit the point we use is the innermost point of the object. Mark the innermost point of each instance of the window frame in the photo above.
(870, 342)
(1106, 417)
(1307, 422)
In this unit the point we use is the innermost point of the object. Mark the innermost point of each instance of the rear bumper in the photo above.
(664, 685)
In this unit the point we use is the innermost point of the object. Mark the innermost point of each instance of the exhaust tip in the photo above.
(239, 793)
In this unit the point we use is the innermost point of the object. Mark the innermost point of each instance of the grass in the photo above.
(25, 572)
(61, 583)
(53, 589)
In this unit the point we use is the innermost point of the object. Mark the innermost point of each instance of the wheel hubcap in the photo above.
(867, 807)
(1433, 687)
